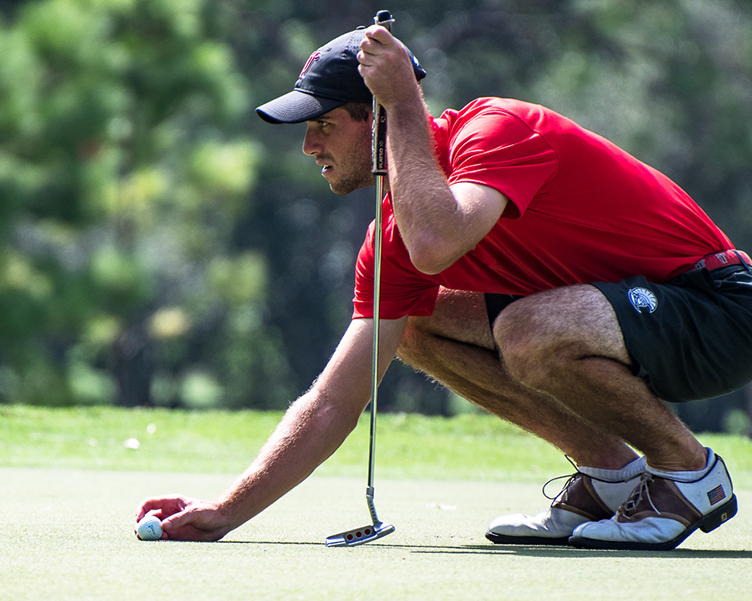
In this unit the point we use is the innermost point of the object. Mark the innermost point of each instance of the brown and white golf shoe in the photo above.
(664, 510)
(589, 495)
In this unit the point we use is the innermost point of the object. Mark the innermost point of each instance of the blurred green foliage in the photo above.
(160, 245)
(124, 166)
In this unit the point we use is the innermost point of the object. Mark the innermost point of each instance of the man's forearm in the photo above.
(311, 430)
(316, 424)
(438, 224)
(424, 206)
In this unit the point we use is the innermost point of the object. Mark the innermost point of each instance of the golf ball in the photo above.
(149, 528)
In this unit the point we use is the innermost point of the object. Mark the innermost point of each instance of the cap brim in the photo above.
(296, 107)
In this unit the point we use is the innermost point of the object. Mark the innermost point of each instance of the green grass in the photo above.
(466, 447)
(68, 534)
(69, 489)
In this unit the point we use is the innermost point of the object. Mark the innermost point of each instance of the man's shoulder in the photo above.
(495, 105)
(507, 111)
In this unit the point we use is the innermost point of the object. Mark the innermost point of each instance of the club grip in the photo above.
(378, 151)
(378, 133)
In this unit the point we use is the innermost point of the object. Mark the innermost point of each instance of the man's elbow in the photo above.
(430, 257)
(332, 411)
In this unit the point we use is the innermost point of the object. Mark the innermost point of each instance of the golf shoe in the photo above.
(664, 509)
(589, 495)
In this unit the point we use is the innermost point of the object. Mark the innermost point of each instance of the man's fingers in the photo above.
(147, 506)
(376, 39)
(161, 506)
(187, 526)
(175, 521)
(379, 34)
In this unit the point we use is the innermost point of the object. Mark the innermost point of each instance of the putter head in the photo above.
(359, 536)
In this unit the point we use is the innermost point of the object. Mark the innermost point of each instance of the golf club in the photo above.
(376, 529)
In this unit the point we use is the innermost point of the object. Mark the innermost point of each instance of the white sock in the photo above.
(686, 476)
(628, 472)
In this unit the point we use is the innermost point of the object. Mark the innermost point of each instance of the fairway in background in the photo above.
(466, 447)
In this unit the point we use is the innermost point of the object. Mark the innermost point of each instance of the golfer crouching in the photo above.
(535, 269)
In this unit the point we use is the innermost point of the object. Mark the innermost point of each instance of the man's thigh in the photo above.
(567, 313)
(459, 315)
(690, 338)
(576, 317)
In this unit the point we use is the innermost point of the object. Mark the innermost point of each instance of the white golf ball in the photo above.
(149, 528)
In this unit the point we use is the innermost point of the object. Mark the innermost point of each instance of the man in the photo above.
(535, 269)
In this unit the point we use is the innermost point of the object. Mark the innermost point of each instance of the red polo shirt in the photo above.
(581, 210)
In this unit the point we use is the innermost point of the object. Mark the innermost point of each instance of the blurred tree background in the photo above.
(160, 245)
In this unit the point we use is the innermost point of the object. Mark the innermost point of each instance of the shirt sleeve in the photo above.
(487, 145)
(493, 147)
(404, 290)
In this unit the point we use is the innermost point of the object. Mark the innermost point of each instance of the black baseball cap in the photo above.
(329, 79)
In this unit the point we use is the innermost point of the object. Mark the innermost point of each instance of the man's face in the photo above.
(342, 147)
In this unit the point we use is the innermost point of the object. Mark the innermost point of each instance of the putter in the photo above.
(376, 529)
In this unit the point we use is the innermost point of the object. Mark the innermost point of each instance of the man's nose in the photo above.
(311, 144)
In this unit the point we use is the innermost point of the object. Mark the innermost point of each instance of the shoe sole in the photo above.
(708, 523)
(503, 539)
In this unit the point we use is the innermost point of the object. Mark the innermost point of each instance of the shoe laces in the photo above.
(570, 480)
(641, 491)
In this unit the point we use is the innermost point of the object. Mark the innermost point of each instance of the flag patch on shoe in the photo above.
(716, 495)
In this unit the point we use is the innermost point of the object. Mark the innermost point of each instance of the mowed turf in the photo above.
(68, 534)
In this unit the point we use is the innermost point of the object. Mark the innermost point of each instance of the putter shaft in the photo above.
(379, 169)
(377, 528)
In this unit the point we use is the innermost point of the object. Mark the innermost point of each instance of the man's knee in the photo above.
(415, 343)
(527, 344)
(515, 346)
(539, 337)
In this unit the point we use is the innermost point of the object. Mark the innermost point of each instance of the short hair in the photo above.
(359, 111)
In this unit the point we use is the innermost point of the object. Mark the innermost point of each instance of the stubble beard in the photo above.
(355, 170)
(353, 181)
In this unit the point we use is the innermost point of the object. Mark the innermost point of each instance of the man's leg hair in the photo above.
(455, 347)
(567, 343)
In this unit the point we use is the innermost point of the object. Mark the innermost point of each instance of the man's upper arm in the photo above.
(482, 204)
(495, 143)
(478, 208)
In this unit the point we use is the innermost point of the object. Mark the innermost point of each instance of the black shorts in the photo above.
(689, 338)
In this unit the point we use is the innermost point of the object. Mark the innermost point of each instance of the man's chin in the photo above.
(339, 191)
(343, 189)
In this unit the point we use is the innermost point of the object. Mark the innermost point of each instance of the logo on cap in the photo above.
(311, 59)
(642, 298)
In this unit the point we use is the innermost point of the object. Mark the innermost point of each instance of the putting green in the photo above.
(69, 535)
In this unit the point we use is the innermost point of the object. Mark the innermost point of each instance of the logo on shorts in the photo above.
(642, 298)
